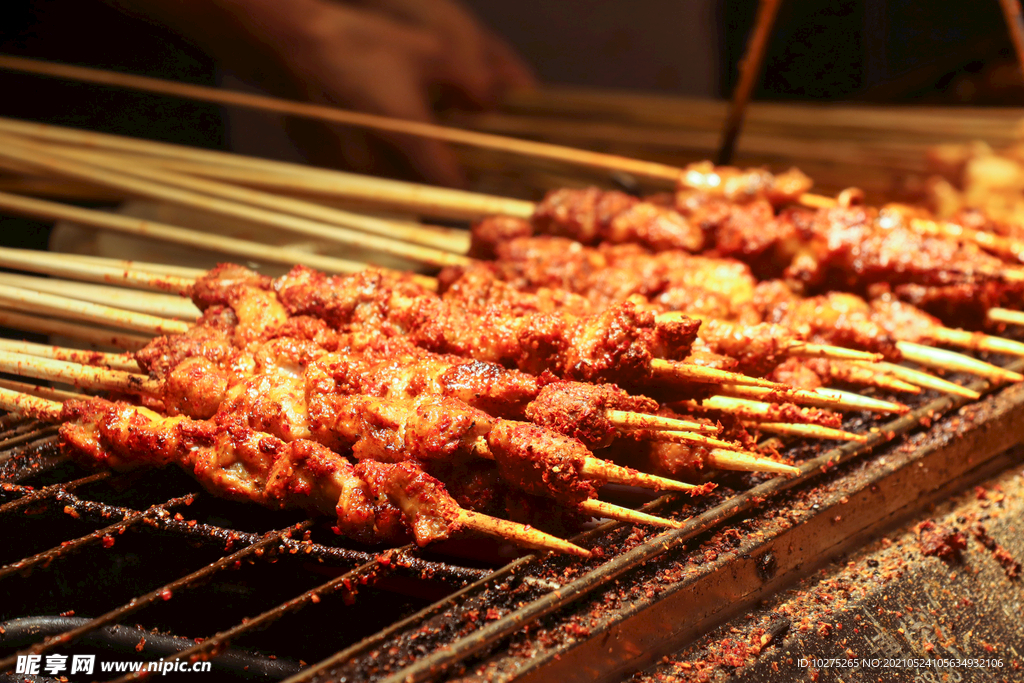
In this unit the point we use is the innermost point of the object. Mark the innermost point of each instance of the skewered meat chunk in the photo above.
(740, 185)
(487, 233)
(232, 460)
(591, 216)
(211, 338)
(612, 346)
(580, 410)
(837, 318)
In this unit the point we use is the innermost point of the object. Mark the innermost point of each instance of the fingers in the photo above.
(474, 62)
(511, 71)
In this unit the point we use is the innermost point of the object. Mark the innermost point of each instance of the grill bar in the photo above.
(31, 433)
(32, 496)
(68, 547)
(268, 540)
(407, 560)
(364, 574)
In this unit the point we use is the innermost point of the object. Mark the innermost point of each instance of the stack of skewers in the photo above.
(592, 338)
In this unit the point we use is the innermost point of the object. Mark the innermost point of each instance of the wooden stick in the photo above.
(38, 391)
(689, 372)
(808, 350)
(923, 379)
(334, 115)
(845, 371)
(149, 269)
(597, 468)
(750, 69)
(744, 408)
(32, 406)
(748, 462)
(519, 533)
(58, 162)
(955, 362)
(283, 176)
(163, 305)
(114, 361)
(1006, 247)
(91, 335)
(1015, 24)
(168, 233)
(434, 237)
(690, 437)
(28, 300)
(629, 420)
(1005, 315)
(599, 508)
(976, 341)
(49, 263)
(83, 376)
(819, 398)
(805, 431)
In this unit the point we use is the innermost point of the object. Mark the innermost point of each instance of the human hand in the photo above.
(387, 57)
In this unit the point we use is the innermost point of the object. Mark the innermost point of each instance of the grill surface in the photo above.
(95, 550)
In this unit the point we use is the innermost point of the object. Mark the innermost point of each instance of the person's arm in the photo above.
(384, 60)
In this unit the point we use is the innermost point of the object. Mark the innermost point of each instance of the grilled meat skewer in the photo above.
(373, 502)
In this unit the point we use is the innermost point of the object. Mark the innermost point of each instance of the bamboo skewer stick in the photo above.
(163, 305)
(82, 376)
(58, 162)
(39, 392)
(599, 508)
(805, 431)
(691, 437)
(923, 379)
(114, 361)
(955, 362)
(867, 376)
(746, 462)
(723, 454)
(976, 341)
(30, 406)
(50, 411)
(284, 176)
(628, 420)
(704, 375)
(334, 115)
(148, 269)
(808, 350)
(91, 335)
(757, 413)
(122, 273)
(750, 69)
(193, 238)
(819, 398)
(29, 300)
(1004, 246)
(434, 237)
(1005, 315)
(1015, 24)
(519, 533)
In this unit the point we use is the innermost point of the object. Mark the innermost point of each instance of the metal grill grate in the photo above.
(291, 591)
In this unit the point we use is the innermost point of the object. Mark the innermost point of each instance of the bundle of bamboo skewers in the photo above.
(294, 200)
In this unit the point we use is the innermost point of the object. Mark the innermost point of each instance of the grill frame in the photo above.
(548, 597)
